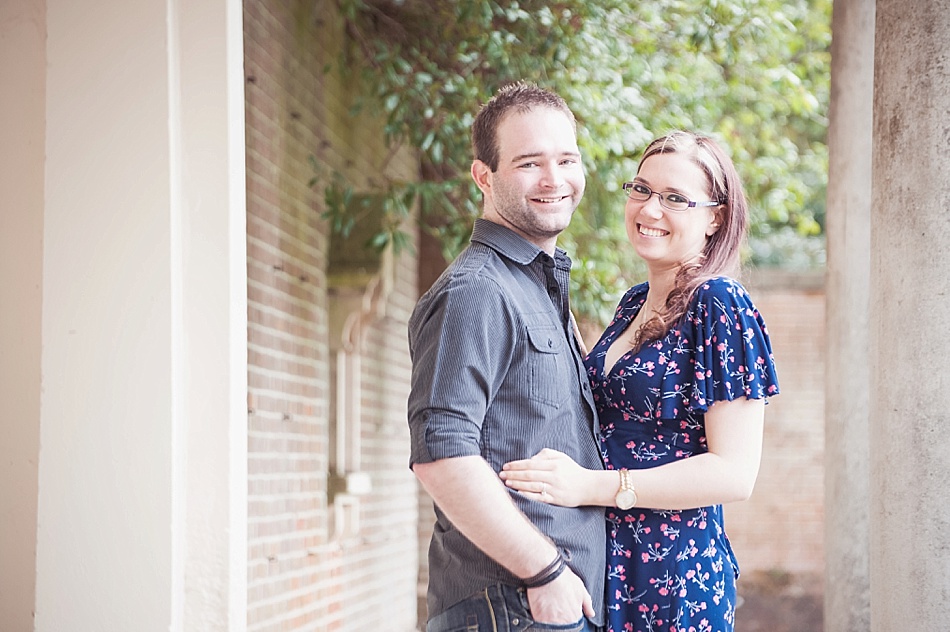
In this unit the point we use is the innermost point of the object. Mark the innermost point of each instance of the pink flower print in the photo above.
(721, 346)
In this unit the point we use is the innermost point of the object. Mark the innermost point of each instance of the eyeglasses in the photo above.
(669, 200)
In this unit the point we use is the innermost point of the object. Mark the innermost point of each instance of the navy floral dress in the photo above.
(675, 570)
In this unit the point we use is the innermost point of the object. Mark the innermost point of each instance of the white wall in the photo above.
(22, 97)
(122, 281)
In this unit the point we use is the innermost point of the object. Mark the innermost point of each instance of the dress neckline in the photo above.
(620, 326)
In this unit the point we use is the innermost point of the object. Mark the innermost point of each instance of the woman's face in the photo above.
(667, 239)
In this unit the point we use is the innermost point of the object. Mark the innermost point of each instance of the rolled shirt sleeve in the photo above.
(461, 339)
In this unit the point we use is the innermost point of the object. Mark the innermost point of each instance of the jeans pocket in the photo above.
(537, 626)
(577, 626)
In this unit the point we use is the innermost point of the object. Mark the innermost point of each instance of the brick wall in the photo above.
(304, 573)
(780, 528)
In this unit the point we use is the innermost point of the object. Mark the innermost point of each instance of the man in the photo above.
(497, 376)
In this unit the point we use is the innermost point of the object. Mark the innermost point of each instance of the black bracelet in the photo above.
(548, 574)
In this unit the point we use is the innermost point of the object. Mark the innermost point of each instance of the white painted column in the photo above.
(142, 484)
(22, 102)
(910, 318)
(847, 380)
(209, 216)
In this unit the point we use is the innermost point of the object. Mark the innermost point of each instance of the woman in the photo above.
(680, 377)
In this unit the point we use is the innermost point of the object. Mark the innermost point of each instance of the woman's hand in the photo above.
(550, 477)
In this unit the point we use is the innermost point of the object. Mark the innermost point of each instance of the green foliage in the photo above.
(754, 73)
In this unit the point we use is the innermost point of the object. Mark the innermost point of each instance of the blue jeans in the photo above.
(500, 608)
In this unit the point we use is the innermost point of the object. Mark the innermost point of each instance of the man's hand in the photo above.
(561, 601)
(470, 493)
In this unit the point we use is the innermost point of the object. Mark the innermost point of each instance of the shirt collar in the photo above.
(510, 244)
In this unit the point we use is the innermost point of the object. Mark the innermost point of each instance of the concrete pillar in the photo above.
(910, 318)
(143, 414)
(847, 580)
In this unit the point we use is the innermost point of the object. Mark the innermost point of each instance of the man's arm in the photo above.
(472, 497)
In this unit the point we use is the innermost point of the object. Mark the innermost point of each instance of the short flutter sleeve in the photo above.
(733, 353)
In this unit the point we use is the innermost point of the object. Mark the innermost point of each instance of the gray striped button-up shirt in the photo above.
(497, 372)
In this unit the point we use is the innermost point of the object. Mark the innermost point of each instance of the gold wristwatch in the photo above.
(626, 496)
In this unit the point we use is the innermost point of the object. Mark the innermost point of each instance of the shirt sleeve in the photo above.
(461, 337)
(733, 352)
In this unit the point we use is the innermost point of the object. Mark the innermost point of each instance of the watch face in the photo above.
(626, 498)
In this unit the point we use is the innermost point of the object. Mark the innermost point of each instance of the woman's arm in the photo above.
(726, 473)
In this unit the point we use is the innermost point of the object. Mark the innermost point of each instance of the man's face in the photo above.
(540, 179)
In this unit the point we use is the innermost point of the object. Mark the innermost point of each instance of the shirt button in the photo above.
(515, 621)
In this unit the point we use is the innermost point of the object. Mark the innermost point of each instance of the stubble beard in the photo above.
(517, 213)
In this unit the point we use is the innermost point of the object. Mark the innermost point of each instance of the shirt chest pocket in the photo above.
(549, 366)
